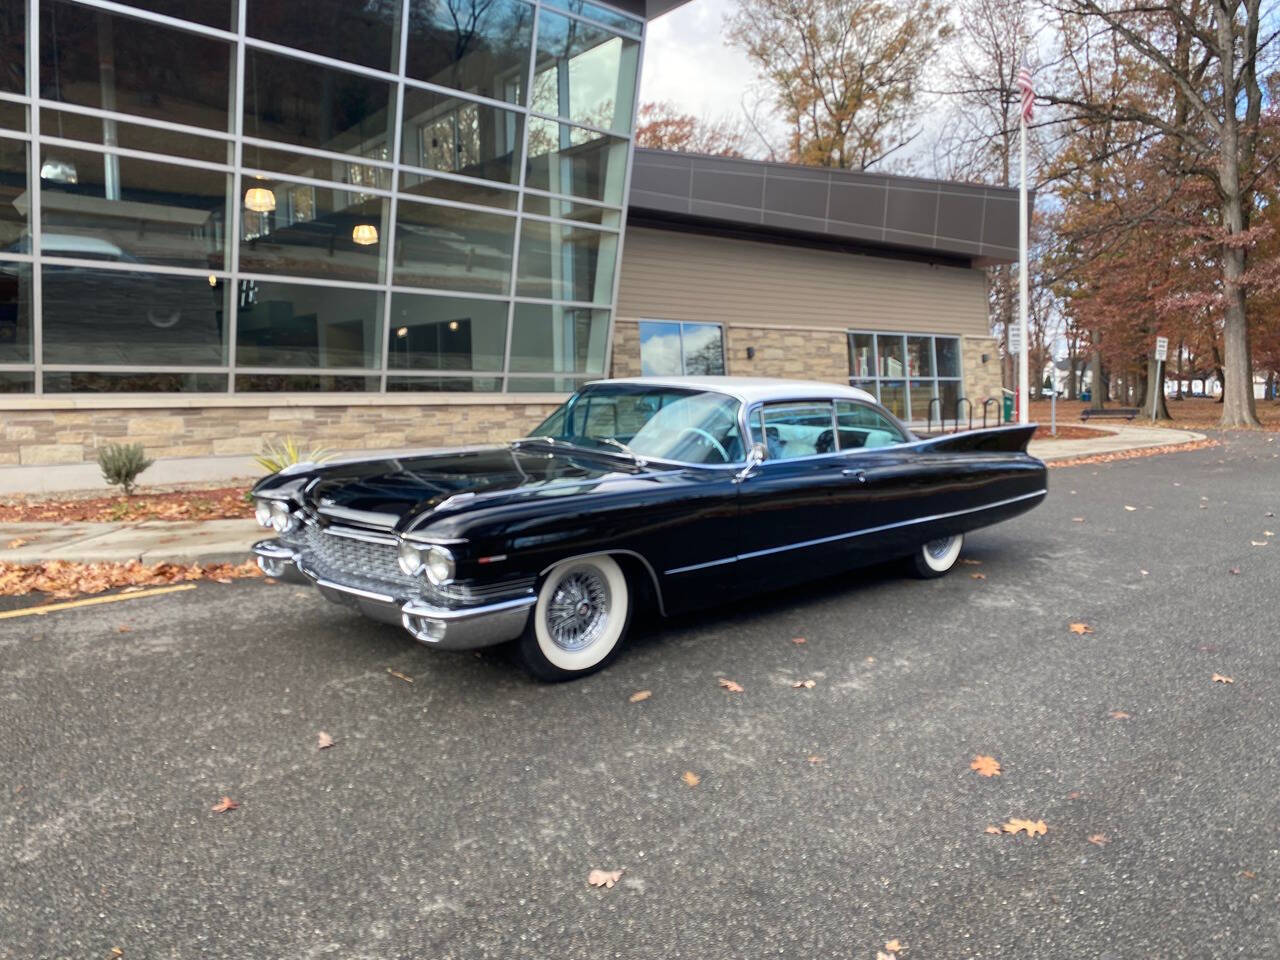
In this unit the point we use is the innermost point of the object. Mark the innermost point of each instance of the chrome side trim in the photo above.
(447, 614)
(653, 576)
(859, 533)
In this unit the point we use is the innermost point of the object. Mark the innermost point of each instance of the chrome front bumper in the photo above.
(464, 628)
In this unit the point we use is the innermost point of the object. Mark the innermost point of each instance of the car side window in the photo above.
(799, 429)
(859, 426)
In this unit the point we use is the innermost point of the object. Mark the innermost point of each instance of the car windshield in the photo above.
(667, 423)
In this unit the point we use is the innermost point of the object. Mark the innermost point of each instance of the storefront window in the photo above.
(461, 136)
(446, 333)
(14, 196)
(552, 339)
(584, 74)
(575, 161)
(681, 349)
(480, 46)
(880, 363)
(449, 248)
(315, 232)
(563, 262)
(15, 312)
(296, 325)
(366, 33)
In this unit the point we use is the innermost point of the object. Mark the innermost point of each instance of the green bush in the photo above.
(275, 457)
(121, 463)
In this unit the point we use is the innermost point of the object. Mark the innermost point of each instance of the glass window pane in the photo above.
(920, 356)
(122, 317)
(292, 325)
(293, 101)
(97, 381)
(107, 207)
(14, 196)
(480, 46)
(551, 339)
(921, 400)
(891, 356)
(461, 191)
(893, 397)
(350, 172)
(445, 384)
(12, 381)
(314, 232)
(134, 136)
(562, 262)
(446, 333)
(13, 116)
(950, 393)
(98, 59)
(660, 349)
(867, 385)
(367, 33)
(460, 136)
(448, 248)
(575, 161)
(584, 73)
(543, 384)
(15, 312)
(862, 426)
(862, 355)
(563, 209)
(948, 356)
(320, 383)
(703, 350)
(13, 47)
(211, 13)
(596, 12)
(798, 430)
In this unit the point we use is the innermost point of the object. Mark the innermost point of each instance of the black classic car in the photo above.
(660, 494)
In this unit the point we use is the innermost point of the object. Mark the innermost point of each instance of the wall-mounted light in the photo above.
(453, 324)
(364, 234)
(259, 200)
(213, 281)
(751, 353)
(986, 357)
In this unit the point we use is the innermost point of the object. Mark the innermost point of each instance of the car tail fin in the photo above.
(1011, 439)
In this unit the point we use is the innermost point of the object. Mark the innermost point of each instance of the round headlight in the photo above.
(281, 518)
(410, 559)
(438, 564)
(262, 512)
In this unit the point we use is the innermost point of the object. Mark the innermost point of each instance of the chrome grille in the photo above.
(357, 563)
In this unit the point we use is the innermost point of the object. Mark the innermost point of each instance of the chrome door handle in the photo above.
(859, 475)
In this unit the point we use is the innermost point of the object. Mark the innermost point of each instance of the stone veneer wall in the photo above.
(981, 380)
(74, 435)
(626, 349)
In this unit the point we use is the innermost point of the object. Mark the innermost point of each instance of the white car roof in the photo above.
(755, 389)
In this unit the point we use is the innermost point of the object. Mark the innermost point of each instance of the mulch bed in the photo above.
(1068, 431)
(222, 503)
(60, 579)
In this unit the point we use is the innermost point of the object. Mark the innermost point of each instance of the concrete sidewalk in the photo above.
(150, 541)
(1118, 440)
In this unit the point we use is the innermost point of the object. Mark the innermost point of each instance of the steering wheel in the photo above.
(724, 454)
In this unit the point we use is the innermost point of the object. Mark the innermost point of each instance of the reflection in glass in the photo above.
(349, 172)
(461, 191)
(134, 136)
(13, 48)
(703, 349)
(14, 381)
(446, 333)
(303, 103)
(460, 136)
(480, 46)
(563, 209)
(143, 319)
(584, 73)
(296, 325)
(675, 349)
(13, 116)
(921, 397)
(949, 393)
(107, 207)
(15, 312)
(98, 381)
(552, 339)
(367, 33)
(315, 232)
(98, 59)
(563, 262)
(543, 384)
(574, 161)
(212, 13)
(893, 396)
(862, 356)
(920, 356)
(14, 203)
(948, 356)
(289, 382)
(448, 248)
(610, 18)
(891, 359)
(445, 384)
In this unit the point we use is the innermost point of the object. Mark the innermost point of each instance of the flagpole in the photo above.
(1023, 379)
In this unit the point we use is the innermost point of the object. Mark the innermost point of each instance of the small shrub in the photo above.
(275, 457)
(121, 463)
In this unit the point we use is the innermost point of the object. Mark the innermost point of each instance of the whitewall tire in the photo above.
(937, 557)
(579, 621)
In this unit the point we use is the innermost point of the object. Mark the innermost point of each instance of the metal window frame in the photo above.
(907, 377)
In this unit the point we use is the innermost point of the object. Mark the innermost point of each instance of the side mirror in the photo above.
(755, 456)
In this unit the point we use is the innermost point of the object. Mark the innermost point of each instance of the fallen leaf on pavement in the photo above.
(1118, 715)
(323, 741)
(815, 759)
(977, 576)
(1077, 519)
(117, 952)
(893, 946)
(798, 640)
(971, 562)
(1267, 533)
(805, 684)
(1032, 827)
(225, 804)
(604, 878)
(400, 676)
(985, 766)
(1219, 678)
(1099, 839)
(124, 628)
(1258, 543)
(993, 829)
(1248, 874)
(18, 542)
(640, 695)
(1129, 508)
(1074, 795)
(730, 685)
(690, 778)
(1235, 571)
(1081, 628)
(1144, 572)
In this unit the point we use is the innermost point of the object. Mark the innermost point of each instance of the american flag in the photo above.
(1028, 92)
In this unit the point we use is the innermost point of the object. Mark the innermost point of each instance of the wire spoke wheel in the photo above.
(578, 610)
(582, 613)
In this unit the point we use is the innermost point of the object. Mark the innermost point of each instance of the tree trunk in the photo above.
(1097, 390)
(1155, 391)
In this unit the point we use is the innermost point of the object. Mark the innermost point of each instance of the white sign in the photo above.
(1015, 338)
(1162, 348)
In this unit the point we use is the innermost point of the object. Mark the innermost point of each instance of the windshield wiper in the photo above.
(541, 439)
(623, 447)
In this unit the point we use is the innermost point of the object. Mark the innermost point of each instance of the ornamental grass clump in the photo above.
(275, 457)
(121, 463)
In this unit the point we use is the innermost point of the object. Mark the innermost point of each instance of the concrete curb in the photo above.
(1121, 440)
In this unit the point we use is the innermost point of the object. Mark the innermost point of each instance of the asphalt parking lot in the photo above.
(458, 816)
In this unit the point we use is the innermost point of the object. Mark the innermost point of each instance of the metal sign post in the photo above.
(1162, 354)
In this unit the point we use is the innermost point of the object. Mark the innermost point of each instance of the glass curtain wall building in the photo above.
(341, 195)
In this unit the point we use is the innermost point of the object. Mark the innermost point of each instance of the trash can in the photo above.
(1008, 408)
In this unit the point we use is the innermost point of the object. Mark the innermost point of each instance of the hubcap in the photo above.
(578, 610)
(938, 548)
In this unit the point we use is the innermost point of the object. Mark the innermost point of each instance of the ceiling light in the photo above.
(364, 234)
(259, 199)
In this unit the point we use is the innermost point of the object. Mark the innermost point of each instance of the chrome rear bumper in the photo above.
(463, 628)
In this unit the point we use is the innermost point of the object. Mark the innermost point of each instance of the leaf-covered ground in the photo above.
(60, 579)
(222, 503)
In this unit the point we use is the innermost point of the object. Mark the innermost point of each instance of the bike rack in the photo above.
(970, 403)
(986, 403)
(941, 423)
